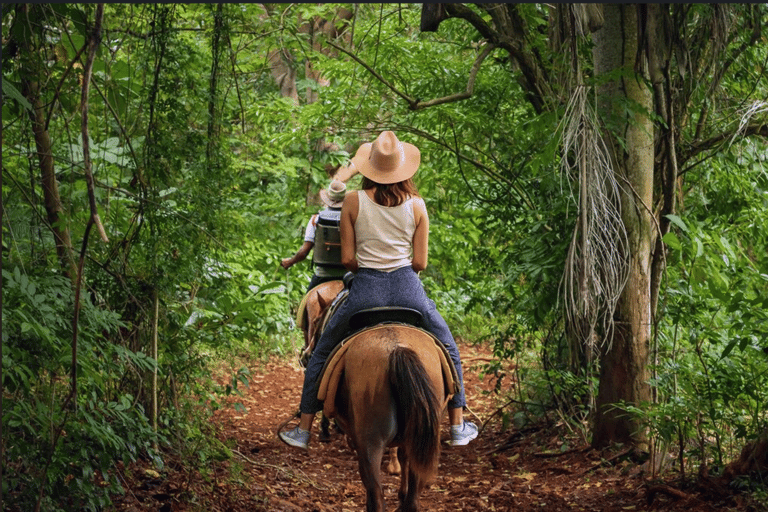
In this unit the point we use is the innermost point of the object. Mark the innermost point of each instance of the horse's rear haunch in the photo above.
(392, 393)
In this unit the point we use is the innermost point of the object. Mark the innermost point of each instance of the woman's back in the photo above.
(384, 234)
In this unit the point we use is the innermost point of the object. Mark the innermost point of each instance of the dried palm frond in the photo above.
(746, 115)
(597, 263)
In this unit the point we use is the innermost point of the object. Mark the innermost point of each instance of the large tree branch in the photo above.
(508, 33)
(755, 129)
(415, 103)
(470, 83)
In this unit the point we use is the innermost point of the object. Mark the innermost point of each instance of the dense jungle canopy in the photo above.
(595, 175)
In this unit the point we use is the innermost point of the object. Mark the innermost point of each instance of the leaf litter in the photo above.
(500, 471)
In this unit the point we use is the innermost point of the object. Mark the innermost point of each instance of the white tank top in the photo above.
(384, 234)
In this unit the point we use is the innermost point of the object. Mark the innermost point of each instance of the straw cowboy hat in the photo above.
(387, 160)
(333, 197)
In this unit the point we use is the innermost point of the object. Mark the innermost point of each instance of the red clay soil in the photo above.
(499, 471)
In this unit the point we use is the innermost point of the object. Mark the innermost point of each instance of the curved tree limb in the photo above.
(372, 71)
(30, 89)
(64, 76)
(93, 43)
(474, 19)
(757, 128)
(415, 103)
(510, 34)
(487, 49)
(95, 37)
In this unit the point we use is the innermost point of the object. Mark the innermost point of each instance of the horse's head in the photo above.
(317, 307)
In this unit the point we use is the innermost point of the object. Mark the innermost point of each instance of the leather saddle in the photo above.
(370, 319)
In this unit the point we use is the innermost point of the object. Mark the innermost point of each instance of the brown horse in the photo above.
(313, 315)
(386, 388)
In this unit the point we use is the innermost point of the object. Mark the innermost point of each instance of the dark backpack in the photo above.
(327, 249)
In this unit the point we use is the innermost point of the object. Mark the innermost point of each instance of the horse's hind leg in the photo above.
(402, 460)
(409, 502)
(325, 434)
(393, 467)
(411, 484)
(369, 461)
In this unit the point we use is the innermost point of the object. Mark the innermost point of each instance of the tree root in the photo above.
(291, 473)
(753, 459)
(654, 490)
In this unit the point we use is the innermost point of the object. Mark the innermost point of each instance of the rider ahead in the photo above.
(384, 241)
(322, 235)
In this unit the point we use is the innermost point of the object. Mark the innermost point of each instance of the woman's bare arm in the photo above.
(420, 236)
(300, 255)
(347, 228)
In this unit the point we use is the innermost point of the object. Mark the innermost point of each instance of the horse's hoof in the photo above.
(324, 437)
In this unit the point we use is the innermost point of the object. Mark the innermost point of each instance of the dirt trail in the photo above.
(499, 471)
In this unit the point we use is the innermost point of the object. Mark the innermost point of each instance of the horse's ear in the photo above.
(321, 300)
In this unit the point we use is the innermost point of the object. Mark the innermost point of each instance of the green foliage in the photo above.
(202, 192)
(44, 430)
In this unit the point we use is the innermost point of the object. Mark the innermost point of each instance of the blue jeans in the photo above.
(373, 288)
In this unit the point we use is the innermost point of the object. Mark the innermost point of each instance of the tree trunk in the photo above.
(283, 64)
(624, 360)
(29, 72)
(213, 113)
(320, 29)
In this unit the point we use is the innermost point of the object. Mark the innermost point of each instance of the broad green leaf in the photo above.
(699, 245)
(677, 221)
(671, 240)
(12, 92)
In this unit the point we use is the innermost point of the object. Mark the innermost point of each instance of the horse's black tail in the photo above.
(418, 410)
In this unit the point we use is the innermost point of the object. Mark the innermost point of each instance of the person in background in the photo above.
(384, 242)
(327, 266)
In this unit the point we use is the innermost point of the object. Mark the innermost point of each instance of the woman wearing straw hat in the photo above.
(325, 270)
(384, 241)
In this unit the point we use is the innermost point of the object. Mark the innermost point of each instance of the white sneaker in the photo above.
(463, 434)
(298, 438)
